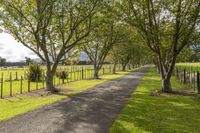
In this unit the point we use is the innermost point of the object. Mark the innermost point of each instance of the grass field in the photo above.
(189, 66)
(75, 73)
(20, 104)
(158, 114)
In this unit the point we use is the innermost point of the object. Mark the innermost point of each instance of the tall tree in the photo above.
(107, 33)
(167, 27)
(50, 28)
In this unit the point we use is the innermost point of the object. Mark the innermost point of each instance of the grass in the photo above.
(20, 104)
(188, 66)
(158, 114)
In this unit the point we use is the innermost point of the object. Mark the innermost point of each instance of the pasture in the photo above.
(14, 80)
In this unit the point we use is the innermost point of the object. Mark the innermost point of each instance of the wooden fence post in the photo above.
(37, 82)
(63, 79)
(189, 79)
(85, 73)
(71, 75)
(82, 73)
(194, 81)
(2, 85)
(198, 83)
(43, 79)
(184, 77)
(28, 85)
(21, 85)
(16, 75)
(10, 84)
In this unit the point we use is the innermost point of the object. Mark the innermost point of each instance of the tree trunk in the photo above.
(129, 66)
(96, 73)
(114, 68)
(49, 80)
(166, 85)
(166, 73)
(123, 67)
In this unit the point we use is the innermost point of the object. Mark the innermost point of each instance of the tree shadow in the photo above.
(95, 110)
(176, 112)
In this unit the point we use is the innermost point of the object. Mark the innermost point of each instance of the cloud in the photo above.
(12, 50)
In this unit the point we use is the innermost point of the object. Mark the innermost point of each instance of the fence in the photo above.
(189, 76)
(15, 82)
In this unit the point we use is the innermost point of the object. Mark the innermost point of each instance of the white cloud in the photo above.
(12, 50)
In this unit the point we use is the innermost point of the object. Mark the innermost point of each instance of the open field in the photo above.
(164, 113)
(14, 79)
(189, 66)
(189, 74)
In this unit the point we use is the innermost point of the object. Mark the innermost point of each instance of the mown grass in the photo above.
(20, 104)
(158, 114)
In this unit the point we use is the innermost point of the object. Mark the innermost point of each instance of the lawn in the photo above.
(20, 104)
(158, 114)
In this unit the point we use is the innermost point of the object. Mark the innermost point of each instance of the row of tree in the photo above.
(120, 31)
(56, 29)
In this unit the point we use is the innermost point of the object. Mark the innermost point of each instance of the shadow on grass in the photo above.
(156, 114)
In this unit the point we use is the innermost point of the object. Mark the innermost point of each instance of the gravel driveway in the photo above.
(92, 111)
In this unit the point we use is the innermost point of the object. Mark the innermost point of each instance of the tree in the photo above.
(2, 61)
(47, 27)
(28, 60)
(130, 51)
(123, 53)
(167, 27)
(106, 34)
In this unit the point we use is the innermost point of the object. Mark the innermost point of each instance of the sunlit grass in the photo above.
(158, 114)
(188, 66)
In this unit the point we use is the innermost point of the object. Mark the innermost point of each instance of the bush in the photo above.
(62, 74)
(34, 72)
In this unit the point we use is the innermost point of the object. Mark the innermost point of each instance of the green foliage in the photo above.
(2, 61)
(34, 73)
(167, 26)
(62, 74)
(48, 28)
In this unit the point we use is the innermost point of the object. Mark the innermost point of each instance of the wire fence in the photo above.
(14, 82)
(189, 76)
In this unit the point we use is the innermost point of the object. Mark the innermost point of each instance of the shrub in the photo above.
(34, 72)
(62, 74)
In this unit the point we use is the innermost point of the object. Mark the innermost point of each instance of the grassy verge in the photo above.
(158, 114)
(20, 104)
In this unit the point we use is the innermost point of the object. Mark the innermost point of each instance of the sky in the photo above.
(12, 50)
